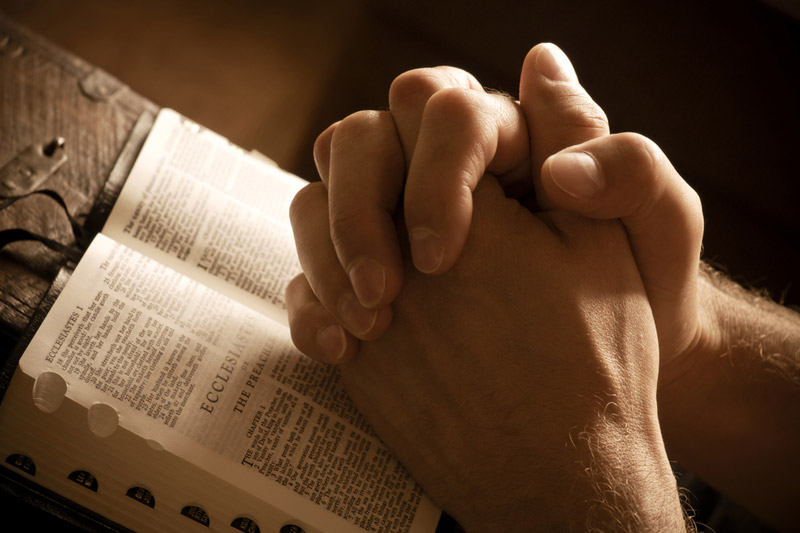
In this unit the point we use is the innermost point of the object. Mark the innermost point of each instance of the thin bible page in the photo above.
(221, 387)
(216, 213)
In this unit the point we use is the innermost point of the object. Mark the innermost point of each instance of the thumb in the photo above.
(558, 110)
(627, 176)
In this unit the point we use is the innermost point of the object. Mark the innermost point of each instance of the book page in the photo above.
(200, 205)
(207, 378)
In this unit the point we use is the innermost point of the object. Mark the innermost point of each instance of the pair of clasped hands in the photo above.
(505, 286)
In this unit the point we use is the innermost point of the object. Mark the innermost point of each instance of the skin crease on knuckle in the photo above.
(652, 183)
(575, 109)
(461, 110)
(343, 227)
(582, 115)
(355, 127)
(459, 114)
(653, 162)
(412, 87)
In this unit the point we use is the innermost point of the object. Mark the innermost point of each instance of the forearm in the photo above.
(627, 483)
(614, 477)
(729, 414)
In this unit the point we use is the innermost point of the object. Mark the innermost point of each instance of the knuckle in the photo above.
(642, 158)
(454, 103)
(593, 117)
(575, 110)
(585, 114)
(694, 212)
(642, 147)
(323, 141)
(460, 111)
(300, 330)
(416, 86)
(658, 179)
(411, 86)
(409, 80)
(356, 126)
(295, 286)
(304, 200)
(344, 227)
(302, 317)
(694, 203)
(645, 156)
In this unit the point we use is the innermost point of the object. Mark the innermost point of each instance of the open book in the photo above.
(162, 389)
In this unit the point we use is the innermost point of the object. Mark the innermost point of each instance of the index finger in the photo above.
(463, 134)
(410, 92)
(452, 132)
(365, 179)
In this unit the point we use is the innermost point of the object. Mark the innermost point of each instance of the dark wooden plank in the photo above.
(46, 93)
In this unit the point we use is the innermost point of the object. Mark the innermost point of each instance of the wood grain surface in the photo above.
(46, 93)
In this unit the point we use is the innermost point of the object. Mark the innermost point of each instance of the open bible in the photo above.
(162, 389)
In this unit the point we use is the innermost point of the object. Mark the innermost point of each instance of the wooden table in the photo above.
(46, 93)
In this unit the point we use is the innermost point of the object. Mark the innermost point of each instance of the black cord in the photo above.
(19, 234)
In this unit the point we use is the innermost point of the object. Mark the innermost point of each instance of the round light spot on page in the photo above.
(103, 419)
(49, 391)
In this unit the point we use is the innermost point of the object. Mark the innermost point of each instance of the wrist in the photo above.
(614, 475)
(727, 406)
(689, 369)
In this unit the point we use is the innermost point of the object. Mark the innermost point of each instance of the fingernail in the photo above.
(577, 174)
(554, 64)
(427, 249)
(332, 341)
(358, 319)
(368, 278)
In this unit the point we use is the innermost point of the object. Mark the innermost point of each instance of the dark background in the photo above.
(715, 83)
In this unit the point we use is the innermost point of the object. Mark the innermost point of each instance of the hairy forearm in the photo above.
(729, 412)
(631, 486)
(611, 475)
